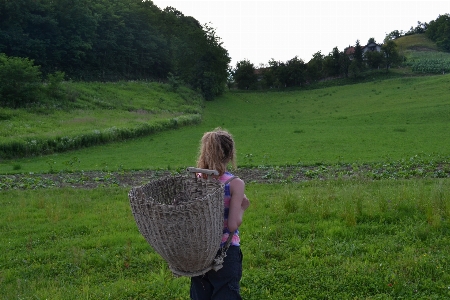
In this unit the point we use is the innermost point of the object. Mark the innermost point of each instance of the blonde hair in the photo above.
(216, 151)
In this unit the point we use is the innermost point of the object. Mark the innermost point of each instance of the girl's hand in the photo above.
(245, 203)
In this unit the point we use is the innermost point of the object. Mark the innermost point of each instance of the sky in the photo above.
(259, 31)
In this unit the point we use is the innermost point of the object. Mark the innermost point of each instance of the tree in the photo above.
(358, 54)
(244, 75)
(439, 31)
(315, 66)
(391, 55)
(393, 35)
(274, 75)
(332, 63)
(344, 64)
(374, 59)
(335, 56)
(296, 69)
(20, 81)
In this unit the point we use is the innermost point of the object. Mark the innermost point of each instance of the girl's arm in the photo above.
(238, 204)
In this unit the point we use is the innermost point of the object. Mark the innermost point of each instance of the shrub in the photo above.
(53, 87)
(20, 81)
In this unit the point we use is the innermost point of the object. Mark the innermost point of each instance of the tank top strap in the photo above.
(230, 179)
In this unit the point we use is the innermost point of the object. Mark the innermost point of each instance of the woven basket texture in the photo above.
(181, 217)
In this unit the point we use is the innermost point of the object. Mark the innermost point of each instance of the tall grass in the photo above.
(314, 240)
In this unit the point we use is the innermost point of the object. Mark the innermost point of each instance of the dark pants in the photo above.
(223, 284)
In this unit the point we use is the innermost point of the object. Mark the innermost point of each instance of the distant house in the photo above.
(350, 50)
(371, 47)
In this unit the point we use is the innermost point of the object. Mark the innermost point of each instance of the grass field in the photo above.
(313, 240)
(369, 122)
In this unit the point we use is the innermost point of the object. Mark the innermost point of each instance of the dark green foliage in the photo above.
(316, 66)
(244, 75)
(439, 31)
(291, 73)
(20, 81)
(344, 64)
(54, 85)
(391, 55)
(374, 59)
(114, 40)
(296, 72)
(174, 81)
(358, 54)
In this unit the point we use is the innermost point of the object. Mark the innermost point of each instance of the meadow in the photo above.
(379, 121)
(343, 237)
(312, 240)
(96, 114)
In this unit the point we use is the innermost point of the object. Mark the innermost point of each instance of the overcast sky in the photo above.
(261, 30)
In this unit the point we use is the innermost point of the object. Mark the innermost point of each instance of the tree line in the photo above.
(351, 62)
(104, 40)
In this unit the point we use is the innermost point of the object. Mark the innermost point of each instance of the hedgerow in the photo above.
(44, 145)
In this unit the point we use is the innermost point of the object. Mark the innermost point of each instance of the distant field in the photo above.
(369, 122)
(428, 63)
(422, 55)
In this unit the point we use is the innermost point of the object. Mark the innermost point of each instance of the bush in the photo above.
(20, 81)
(53, 87)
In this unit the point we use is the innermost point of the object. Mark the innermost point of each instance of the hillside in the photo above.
(373, 122)
(415, 42)
(422, 56)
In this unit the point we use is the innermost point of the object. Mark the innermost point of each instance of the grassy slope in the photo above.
(375, 121)
(99, 107)
(415, 42)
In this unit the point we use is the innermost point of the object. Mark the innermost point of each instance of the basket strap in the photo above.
(228, 242)
(204, 171)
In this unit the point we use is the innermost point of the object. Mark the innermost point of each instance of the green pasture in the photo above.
(377, 121)
(96, 114)
(98, 106)
(312, 240)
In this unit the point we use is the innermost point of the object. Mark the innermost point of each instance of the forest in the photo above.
(103, 40)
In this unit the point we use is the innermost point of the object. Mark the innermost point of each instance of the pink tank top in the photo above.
(235, 241)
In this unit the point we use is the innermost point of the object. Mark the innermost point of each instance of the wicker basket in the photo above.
(181, 217)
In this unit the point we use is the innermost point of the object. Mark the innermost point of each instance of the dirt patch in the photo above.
(128, 179)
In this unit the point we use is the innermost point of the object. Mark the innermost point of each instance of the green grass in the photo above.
(369, 122)
(102, 113)
(315, 240)
(418, 42)
(99, 106)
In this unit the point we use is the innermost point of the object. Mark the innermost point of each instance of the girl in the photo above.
(217, 150)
